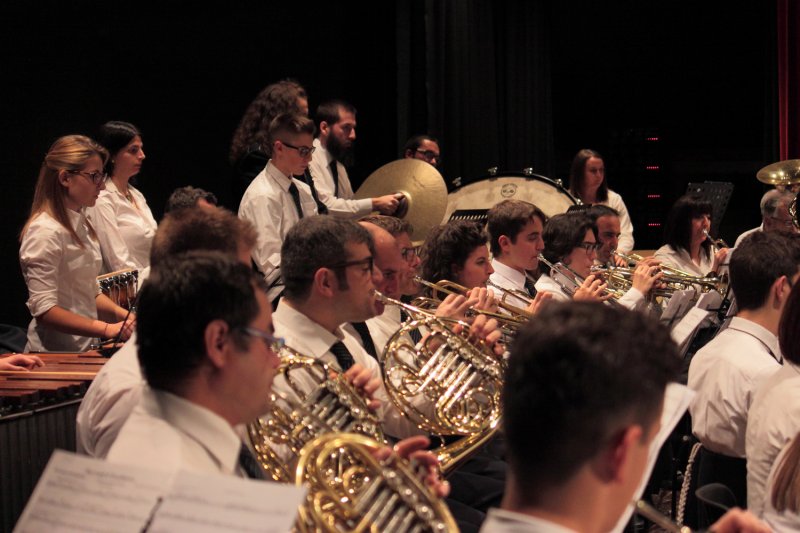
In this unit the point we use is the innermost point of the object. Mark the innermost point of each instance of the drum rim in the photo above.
(519, 174)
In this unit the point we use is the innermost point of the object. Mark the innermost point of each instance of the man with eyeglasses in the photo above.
(199, 389)
(774, 214)
(336, 123)
(424, 148)
(275, 200)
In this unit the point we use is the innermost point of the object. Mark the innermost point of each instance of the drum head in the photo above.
(544, 193)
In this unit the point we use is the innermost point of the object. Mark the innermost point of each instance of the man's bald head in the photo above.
(388, 259)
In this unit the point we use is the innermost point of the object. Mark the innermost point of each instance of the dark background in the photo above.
(533, 82)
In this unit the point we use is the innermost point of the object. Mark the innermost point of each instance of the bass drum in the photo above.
(479, 196)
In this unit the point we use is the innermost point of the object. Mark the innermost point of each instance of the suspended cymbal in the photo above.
(422, 186)
(781, 173)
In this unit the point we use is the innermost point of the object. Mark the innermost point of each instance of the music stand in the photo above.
(719, 194)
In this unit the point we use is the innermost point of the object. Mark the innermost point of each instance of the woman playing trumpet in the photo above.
(571, 240)
(688, 247)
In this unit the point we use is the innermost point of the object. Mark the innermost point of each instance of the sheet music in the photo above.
(676, 401)
(683, 330)
(227, 504)
(83, 494)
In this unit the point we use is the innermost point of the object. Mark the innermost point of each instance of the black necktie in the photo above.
(415, 334)
(366, 339)
(335, 173)
(296, 197)
(322, 209)
(530, 286)
(343, 355)
(249, 464)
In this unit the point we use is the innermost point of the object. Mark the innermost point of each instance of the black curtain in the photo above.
(476, 73)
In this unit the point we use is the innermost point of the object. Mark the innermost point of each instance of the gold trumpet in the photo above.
(675, 279)
(310, 402)
(445, 384)
(515, 317)
(570, 281)
(349, 489)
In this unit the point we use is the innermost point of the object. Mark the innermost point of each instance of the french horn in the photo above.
(306, 401)
(349, 489)
(445, 384)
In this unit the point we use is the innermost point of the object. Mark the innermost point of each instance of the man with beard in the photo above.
(336, 124)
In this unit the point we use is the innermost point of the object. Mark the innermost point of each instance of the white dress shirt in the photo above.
(725, 373)
(681, 260)
(773, 420)
(269, 206)
(503, 521)
(510, 279)
(384, 326)
(615, 202)
(741, 237)
(59, 272)
(125, 229)
(167, 432)
(343, 204)
(312, 340)
(111, 397)
(547, 284)
(783, 521)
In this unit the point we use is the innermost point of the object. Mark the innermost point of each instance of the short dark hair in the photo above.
(186, 197)
(187, 292)
(317, 242)
(114, 136)
(508, 218)
(449, 245)
(759, 260)
(578, 374)
(563, 233)
(678, 227)
(414, 143)
(577, 174)
(599, 210)
(328, 111)
(184, 230)
(774, 199)
(395, 226)
(289, 124)
(790, 323)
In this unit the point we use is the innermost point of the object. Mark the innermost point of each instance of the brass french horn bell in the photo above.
(782, 173)
(424, 193)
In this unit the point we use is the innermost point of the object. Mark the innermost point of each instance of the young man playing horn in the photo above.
(582, 403)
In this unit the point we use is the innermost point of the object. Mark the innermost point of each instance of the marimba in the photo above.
(37, 415)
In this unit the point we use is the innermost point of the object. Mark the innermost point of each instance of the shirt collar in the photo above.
(513, 275)
(759, 332)
(303, 334)
(277, 176)
(513, 521)
(323, 151)
(203, 426)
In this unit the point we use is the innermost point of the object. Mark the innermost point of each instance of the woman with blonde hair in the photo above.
(60, 253)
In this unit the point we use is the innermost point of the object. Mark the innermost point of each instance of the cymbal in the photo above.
(422, 186)
(780, 173)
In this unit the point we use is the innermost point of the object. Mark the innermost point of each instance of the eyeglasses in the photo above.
(429, 155)
(590, 246)
(273, 343)
(368, 262)
(304, 151)
(408, 253)
(96, 176)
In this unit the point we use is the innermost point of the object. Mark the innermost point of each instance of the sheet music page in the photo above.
(82, 494)
(676, 401)
(198, 504)
(684, 329)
